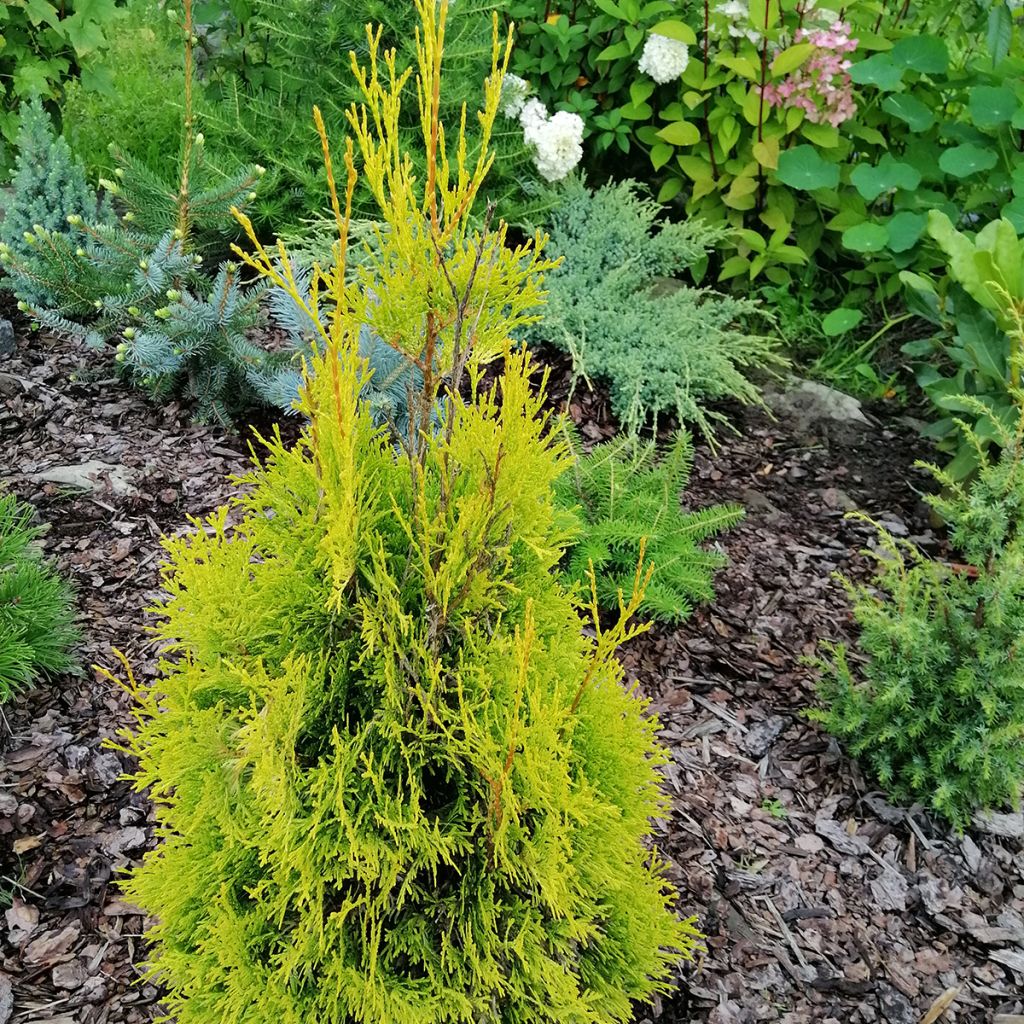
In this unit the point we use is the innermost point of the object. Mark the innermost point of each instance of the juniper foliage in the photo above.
(48, 185)
(662, 347)
(395, 780)
(36, 618)
(628, 501)
(937, 708)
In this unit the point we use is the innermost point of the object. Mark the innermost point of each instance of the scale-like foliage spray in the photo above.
(396, 782)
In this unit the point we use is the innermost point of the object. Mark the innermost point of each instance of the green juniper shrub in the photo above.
(615, 305)
(626, 497)
(36, 617)
(936, 708)
(48, 186)
(395, 780)
(139, 283)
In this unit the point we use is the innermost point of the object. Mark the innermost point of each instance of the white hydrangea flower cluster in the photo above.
(664, 59)
(514, 93)
(738, 14)
(556, 139)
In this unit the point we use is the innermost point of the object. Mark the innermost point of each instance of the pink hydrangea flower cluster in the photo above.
(822, 87)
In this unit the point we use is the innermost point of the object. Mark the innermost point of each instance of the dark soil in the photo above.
(821, 903)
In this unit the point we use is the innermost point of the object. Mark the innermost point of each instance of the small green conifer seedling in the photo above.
(937, 709)
(625, 497)
(36, 618)
(396, 782)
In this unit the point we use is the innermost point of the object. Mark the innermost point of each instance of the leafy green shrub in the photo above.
(978, 304)
(395, 780)
(49, 185)
(727, 100)
(36, 618)
(628, 502)
(937, 708)
(139, 282)
(669, 348)
(45, 43)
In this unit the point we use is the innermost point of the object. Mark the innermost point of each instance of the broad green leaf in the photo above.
(905, 228)
(866, 237)
(927, 54)
(967, 159)
(766, 153)
(40, 11)
(733, 267)
(791, 58)
(889, 174)
(1013, 211)
(753, 239)
(823, 135)
(741, 66)
(640, 92)
(1000, 31)
(992, 105)
(680, 133)
(694, 167)
(661, 154)
(670, 189)
(878, 70)
(910, 109)
(612, 8)
(615, 51)
(841, 320)
(763, 14)
(802, 167)
(677, 30)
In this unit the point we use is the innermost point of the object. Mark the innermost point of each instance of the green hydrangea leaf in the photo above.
(889, 174)
(878, 70)
(841, 320)
(802, 167)
(967, 159)
(992, 105)
(926, 54)
(866, 237)
(910, 109)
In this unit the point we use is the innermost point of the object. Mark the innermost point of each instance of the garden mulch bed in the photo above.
(821, 903)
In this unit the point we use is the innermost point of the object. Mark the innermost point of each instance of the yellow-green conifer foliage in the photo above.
(396, 782)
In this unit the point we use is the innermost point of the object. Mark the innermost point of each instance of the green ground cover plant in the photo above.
(395, 779)
(936, 710)
(37, 630)
(660, 345)
(628, 503)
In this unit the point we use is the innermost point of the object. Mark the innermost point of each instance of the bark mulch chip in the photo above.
(821, 902)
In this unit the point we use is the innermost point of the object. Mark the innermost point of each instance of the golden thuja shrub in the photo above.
(396, 783)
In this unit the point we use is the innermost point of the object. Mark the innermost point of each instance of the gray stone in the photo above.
(762, 735)
(6, 337)
(91, 476)
(810, 403)
(838, 499)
